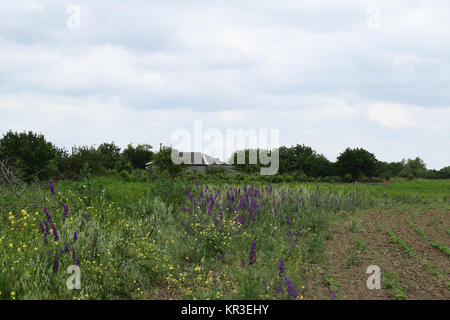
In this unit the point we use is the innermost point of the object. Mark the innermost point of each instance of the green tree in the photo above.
(415, 168)
(357, 162)
(109, 153)
(139, 156)
(305, 159)
(162, 162)
(31, 153)
(247, 167)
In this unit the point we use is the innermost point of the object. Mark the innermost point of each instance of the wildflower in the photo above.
(280, 274)
(290, 288)
(85, 216)
(332, 295)
(74, 257)
(52, 188)
(243, 263)
(55, 263)
(75, 236)
(66, 212)
(49, 217)
(55, 233)
(252, 253)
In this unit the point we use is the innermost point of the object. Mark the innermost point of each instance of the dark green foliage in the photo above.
(305, 159)
(414, 168)
(249, 166)
(357, 162)
(139, 156)
(30, 153)
(162, 161)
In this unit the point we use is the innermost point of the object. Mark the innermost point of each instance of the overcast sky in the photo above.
(328, 74)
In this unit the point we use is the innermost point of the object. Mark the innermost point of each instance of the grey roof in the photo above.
(200, 158)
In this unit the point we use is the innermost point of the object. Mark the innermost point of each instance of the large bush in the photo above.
(31, 153)
(357, 162)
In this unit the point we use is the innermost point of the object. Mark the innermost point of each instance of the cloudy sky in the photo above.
(326, 73)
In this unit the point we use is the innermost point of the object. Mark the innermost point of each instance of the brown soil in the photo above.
(426, 221)
(162, 293)
(416, 282)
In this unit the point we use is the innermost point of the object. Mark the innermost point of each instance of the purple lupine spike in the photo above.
(290, 288)
(66, 248)
(56, 264)
(52, 188)
(55, 233)
(74, 257)
(66, 212)
(252, 259)
(243, 263)
(42, 227)
(47, 228)
(75, 236)
(280, 274)
(47, 214)
(78, 261)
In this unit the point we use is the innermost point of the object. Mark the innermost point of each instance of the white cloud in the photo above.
(312, 69)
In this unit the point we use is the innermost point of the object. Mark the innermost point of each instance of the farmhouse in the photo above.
(200, 162)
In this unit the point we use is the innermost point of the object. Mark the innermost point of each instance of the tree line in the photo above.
(36, 158)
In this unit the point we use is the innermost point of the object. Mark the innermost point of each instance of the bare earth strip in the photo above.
(426, 220)
(436, 257)
(383, 252)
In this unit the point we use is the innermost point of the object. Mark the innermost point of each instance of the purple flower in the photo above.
(280, 274)
(66, 212)
(85, 216)
(74, 257)
(52, 188)
(243, 263)
(55, 233)
(49, 217)
(42, 227)
(252, 253)
(290, 288)
(47, 228)
(78, 261)
(56, 263)
(66, 248)
(75, 236)
(332, 295)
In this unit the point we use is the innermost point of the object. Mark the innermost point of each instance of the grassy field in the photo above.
(171, 240)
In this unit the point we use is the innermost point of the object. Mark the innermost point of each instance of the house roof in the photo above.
(200, 158)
